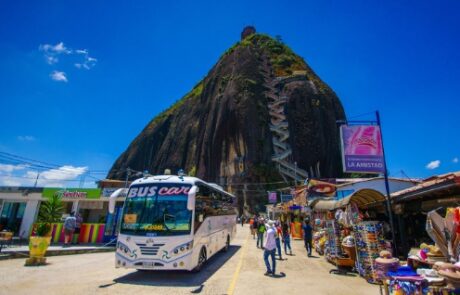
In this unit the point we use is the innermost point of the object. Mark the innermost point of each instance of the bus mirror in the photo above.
(113, 199)
(191, 198)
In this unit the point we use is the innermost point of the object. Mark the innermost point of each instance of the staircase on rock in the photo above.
(279, 126)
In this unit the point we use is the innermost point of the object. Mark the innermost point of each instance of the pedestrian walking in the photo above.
(70, 223)
(287, 238)
(79, 221)
(260, 233)
(251, 227)
(307, 236)
(270, 248)
(278, 236)
(242, 220)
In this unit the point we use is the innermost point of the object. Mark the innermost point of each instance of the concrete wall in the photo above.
(28, 220)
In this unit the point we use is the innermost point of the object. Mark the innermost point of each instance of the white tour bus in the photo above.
(173, 222)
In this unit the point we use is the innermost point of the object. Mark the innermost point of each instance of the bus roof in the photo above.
(178, 179)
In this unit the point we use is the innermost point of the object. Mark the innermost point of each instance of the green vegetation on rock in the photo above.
(194, 93)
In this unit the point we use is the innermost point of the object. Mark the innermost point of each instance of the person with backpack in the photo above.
(70, 223)
(270, 248)
(278, 234)
(308, 236)
(260, 233)
(286, 238)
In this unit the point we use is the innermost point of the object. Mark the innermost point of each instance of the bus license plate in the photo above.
(148, 264)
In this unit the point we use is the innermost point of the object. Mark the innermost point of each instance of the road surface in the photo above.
(239, 271)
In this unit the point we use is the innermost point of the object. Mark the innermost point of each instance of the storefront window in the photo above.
(11, 216)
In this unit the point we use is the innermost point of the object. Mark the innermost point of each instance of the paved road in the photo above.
(239, 271)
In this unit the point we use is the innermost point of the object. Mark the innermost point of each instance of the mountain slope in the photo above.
(261, 114)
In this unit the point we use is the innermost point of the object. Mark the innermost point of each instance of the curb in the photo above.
(24, 254)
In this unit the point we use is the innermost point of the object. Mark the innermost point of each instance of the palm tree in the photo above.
(50, 211)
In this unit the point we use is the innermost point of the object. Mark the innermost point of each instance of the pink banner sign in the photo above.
(362, 149)
(272, 197)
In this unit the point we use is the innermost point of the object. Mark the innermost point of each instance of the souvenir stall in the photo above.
(325, 228)
(429, 222)
(432, 269)
(355, 231)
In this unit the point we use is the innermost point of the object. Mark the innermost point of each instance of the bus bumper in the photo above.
(180, 263)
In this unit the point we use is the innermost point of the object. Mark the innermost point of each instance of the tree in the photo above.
(50, 211)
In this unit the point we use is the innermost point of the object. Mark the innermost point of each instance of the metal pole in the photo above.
(128, 172)
(295, 174)
(387, 188)
(36, 179)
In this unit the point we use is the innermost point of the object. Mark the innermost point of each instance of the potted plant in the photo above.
(50, 212)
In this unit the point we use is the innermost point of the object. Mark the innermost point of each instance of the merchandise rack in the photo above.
(369, 243)
(333, 238)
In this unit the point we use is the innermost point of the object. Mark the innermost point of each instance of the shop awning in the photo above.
(325, 205)
(363, 198)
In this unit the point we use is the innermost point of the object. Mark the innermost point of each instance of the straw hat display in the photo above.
(451, 273)
(385, 263)
(386, 258)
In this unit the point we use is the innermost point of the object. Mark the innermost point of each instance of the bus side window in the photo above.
(200, 205)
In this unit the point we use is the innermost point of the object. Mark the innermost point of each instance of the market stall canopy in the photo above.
(363, 198)
(435, 187)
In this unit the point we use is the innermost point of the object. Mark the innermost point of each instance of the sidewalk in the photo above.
(55, 250)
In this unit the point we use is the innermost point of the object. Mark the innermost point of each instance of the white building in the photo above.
(351, 185)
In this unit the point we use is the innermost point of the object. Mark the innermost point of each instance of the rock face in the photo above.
(259, 101)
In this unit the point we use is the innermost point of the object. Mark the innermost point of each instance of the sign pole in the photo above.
(387, 187)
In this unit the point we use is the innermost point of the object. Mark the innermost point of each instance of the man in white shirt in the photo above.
(270, 247)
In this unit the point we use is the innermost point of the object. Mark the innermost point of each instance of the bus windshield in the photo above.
(157, 210)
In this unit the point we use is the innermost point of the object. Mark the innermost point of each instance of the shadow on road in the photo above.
(277, 276)
(178, 278)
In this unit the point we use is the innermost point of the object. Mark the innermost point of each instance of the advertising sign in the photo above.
(317, 187)
(272, 197)
(77, 193)
(362, 149)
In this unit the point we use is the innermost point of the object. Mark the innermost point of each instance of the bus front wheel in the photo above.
(201, 259)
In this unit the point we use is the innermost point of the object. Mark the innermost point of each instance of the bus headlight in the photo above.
(183, 247)
(122, 248)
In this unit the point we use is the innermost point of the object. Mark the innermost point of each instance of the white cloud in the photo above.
(433, 164)
(8, 168)
(59, 48)
(57, 177)
(455, 160)
(51, 60)
(81, 51)
(10, 181)
(80, 58)
(63, 173)
(87, 64)
(58, 76)
(10, 175)
(26, 138)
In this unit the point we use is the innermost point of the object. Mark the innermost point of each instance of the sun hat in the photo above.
(387, 258)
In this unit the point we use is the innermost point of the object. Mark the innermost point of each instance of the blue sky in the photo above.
(401, 58)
